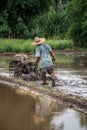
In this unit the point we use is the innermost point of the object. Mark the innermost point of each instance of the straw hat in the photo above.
(38, 41)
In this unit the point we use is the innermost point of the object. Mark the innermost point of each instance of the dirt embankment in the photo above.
(74, 102)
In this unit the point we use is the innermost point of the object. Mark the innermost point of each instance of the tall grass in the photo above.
(61, 44)
(27, 47)
(16, 46)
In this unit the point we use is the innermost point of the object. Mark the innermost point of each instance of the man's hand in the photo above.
(53, 59)
(37, 60)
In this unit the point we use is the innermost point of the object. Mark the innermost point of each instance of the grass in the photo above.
(20, 45)
(61, 44)
(64, 59)
(17, 46)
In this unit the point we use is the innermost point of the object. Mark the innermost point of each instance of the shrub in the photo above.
(77, 16)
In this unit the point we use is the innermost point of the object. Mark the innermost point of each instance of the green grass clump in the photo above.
(16, 45)
(24, 46)
(61, 44)
(27, 47)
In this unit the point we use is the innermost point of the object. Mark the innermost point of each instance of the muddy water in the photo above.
(70, 68)
(4, 65)
(21, 111)
(72, 74)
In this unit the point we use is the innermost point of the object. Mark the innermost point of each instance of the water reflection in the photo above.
(15, 110)
(75, 61)
(80, 61)
(22, 111)
(69, 120)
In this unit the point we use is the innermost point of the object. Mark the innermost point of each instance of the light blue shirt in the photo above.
(43, 51)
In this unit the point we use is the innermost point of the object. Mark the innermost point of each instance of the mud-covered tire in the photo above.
(12, 66)
(15, 68)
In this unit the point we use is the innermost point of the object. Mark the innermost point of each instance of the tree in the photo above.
(77, 16)
(25, 9)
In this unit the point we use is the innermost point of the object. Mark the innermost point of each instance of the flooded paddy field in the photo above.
(23, 111)
(70, 69)
(72, 74)
(20, 110)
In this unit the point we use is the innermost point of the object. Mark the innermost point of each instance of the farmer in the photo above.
(45, 57)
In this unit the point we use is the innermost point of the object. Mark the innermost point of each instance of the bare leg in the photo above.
(43, 78)
(52, 74)
(53, 78)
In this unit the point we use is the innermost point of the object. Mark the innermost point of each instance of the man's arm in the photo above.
(52, 55)
(37, 55)
(37, 60)
(51, 52)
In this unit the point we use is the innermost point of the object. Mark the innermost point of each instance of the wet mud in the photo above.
(72, 101)
(72, 75)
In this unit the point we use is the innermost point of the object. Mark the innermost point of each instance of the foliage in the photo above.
(51, 24)
(18, 13)
(77, 17)
(46, 18)
(21, 29)
(4, 28)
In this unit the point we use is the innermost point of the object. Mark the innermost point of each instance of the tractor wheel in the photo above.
(15, 68)
(12, 67)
